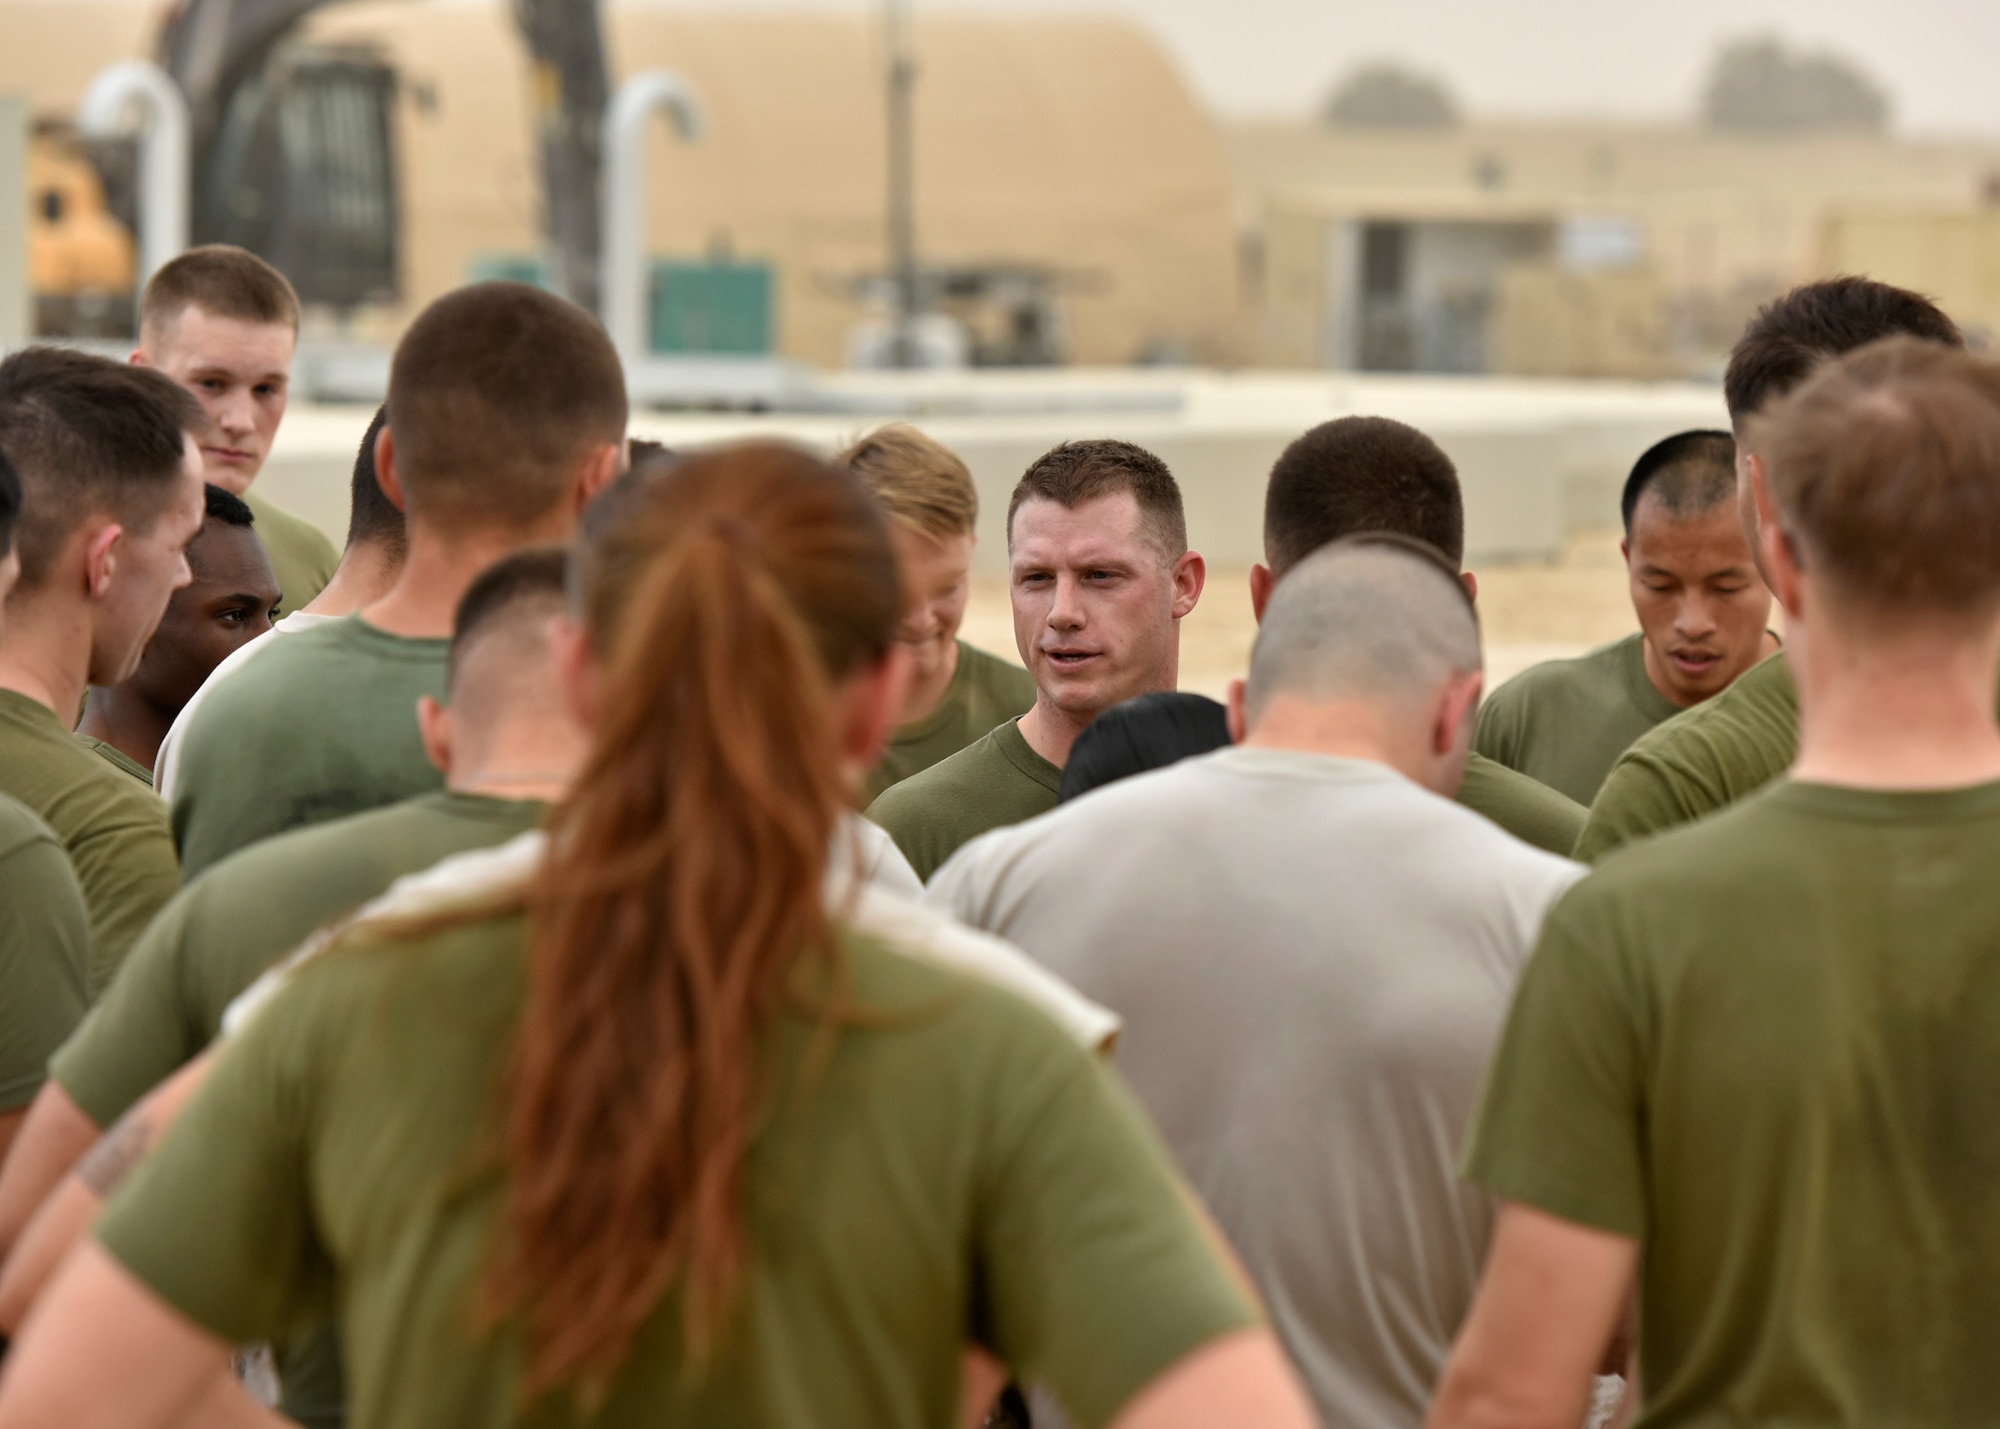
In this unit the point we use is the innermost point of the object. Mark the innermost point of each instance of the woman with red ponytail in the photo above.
(651, 1137)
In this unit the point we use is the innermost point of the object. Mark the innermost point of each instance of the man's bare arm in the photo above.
(1551, 1300)
(1241, 1380)
(52, 1139)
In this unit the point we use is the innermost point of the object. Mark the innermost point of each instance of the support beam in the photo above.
(624, 270)
(163, 152)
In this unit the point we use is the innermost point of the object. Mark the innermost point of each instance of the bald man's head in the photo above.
(1374, 620)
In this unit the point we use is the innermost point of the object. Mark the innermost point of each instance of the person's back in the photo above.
(1750, 1065)
(1706, 758)
(506, 412)
(1312, 953)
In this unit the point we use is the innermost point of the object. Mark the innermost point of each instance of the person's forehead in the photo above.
(199, 338)
(1106, 525)
(223, 554)
(1715, 533)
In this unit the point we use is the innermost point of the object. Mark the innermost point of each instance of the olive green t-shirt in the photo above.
(985, 692)
(1526, 808)
(302, 557)
(231, 923)
(1768, 1047)
(994, 781)
(44, 952)
(321, 725)
(1703, 759)
(950, 1166)
(117, 758)
(114, 831)
(1565, 722)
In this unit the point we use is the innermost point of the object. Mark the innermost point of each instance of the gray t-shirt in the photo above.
(1312, 957)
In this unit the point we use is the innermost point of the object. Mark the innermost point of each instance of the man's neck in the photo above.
(438, 572)
(1052, 732)
(526, 758)
(923, 699)
(46, 657)
(1896, 714)
(1345, 729)
(129, 724)
(366, 573)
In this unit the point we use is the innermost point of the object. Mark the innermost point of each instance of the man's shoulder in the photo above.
(992, 679)
(1755, 721)
(74, 790)
(1747, 843)
(21, 827)
(944, 784)
(1524, 807)
(1596, 674)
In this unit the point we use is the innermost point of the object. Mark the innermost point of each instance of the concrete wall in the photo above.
(1539, 460)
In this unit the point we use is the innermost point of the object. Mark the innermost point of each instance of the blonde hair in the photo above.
(920, 481)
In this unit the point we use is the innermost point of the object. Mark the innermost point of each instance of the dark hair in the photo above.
(88, 435)
(1075, 472)
(10, 503)
(1792, 335)
(372, 518)
(643, 449)
(495, 393)
(1883, 468)
(221, 504)
(1359, 474)
(1688, 473)
(1147, 732)
(224, 281)
(536, 578)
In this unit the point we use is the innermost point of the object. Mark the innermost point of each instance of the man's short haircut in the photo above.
(372, 518)
(1075, 472)
(88, 436)
(922, 482)
(1885, 469)
(1794, 334)
(496, 393)
(223, 281)
(10, 504)
(224, 505)
(1359, 474)
(1689, 474)
(516, 594)
(1141, 734)
(1372, 618)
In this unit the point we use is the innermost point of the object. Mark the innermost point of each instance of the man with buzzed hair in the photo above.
(232, 600)
(1304, 931)
(224, 324)
(507, 413)
(505, 746)
(1751, 1068)
(1702, 610)
(112, 494)
(1360, 474)
(1729, 747)
(1100, 578)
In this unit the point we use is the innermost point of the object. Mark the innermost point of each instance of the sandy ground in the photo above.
(1530, 613)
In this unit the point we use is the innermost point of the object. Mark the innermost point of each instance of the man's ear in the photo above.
(434, 724)
(139, 357)
(385, 470)
(1457, 707)
(1190, 575)
(872, 709)
(1237, 712)
(1262, 583)
(1777, 556)
(576, 667)
(1471, 584)
(599, 470)
(102, 547)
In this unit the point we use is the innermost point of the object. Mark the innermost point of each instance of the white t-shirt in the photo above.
(872, 889)
(1313, 957)
(167, 766)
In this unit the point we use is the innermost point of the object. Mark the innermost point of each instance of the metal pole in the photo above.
(905, 297)
(623, 273)
(163, 152)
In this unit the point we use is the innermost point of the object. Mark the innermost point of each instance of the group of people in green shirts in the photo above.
(485, 992)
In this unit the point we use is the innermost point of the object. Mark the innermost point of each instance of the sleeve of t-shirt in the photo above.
(1561, 1123)
(128, 871)
(1095, 1275)
(139, 1033)
(217, 1221)
(44, 964)
(1641, 797)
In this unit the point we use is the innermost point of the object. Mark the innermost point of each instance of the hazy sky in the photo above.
(1940, 59)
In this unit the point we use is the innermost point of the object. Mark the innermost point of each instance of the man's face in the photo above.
(1095, 604)
(1701, 604)
(148, 566)
(240, 372)
(232, 599)
(938, 573)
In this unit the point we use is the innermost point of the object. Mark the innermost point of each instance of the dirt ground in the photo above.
(1530, 613)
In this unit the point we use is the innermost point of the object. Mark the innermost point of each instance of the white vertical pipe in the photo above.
(164, 173)
(624, 269)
